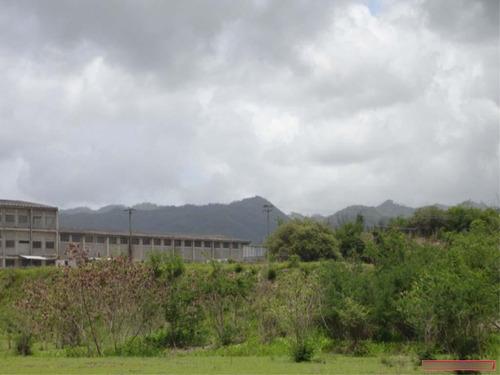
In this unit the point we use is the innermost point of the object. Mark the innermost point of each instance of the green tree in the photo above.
(347, 306)
(307, 238)
(223, 296)
(453, 304)
(300, 294)
(350, 239)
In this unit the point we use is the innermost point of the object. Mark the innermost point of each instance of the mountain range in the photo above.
(244, 219)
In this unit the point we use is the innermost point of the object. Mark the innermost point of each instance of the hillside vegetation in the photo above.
(431, 291)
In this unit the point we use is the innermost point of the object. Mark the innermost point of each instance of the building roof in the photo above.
(121, 233)
(23, 204)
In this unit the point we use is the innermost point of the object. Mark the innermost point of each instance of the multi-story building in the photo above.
(192, 247)
(30, 236)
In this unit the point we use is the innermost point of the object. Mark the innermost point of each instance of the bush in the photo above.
(23, 344)
(293, 261)
(168, 266)
(238, 268)
(146, 346)
(271, 274)
(302, 352)
(76, 351)
(307, 238)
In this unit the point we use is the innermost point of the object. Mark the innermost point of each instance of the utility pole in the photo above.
(129, 210)
(268, 208)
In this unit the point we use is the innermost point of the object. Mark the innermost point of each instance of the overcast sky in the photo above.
(314, 105)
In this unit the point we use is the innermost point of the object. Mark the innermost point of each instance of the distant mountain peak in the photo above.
(110, 207)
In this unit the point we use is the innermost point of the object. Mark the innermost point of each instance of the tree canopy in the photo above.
(307, 238)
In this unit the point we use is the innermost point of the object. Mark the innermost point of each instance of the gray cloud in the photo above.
(314, 105)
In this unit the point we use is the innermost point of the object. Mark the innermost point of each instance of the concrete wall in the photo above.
(109, 245)
(27, 232)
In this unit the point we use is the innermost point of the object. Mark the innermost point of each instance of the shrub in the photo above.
(293, 261)
(238, 268)
(302, 352)
(23, 344)
(271, 274)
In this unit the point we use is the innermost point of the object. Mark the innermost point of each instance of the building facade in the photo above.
(192, 247)
(30, 236)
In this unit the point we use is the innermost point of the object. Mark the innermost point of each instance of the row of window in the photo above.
(146, 241)
(50, 221)
(36, 244)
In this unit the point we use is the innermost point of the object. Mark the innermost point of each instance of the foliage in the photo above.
(269, 310)
(271, 274)
(454, 303)
(223, 296)
(184, 312)
(24, 343)
(307, 238)
(429, 221)
(432, 295)
(100, 303)
(346, 310)
(349, 236)
(166, 265)
(300, 294)
(302, 352)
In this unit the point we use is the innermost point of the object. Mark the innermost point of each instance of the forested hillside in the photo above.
(243, 219)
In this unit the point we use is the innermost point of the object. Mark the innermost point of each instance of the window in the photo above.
(10, 218)
(216, 245)
(101, 239)
(64, 238)
(178, 243)
(77, 238)
(24, 242)
(135, 241)
(89, 239)
(50, 222)
(49, 245)
(37, 221)
(157, 242)
(23, 219)
(235, 245)
(188, 243)
(208, 244)
(197, 243)
(10, 243)
(124, 240)
(113, 240)
(37, 244)
(146, 241)
(9, 263)
(167, 242)
(226, 245)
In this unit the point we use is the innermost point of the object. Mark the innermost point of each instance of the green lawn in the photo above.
(327, 364)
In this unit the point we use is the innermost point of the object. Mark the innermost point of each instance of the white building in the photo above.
(30, 236)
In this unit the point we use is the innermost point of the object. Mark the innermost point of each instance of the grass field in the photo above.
(327, 364)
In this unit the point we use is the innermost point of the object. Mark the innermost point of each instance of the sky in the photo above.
(313, 105)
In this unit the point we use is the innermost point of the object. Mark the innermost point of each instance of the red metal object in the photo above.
(456, 365)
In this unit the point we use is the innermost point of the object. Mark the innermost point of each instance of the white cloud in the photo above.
(311, 105)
